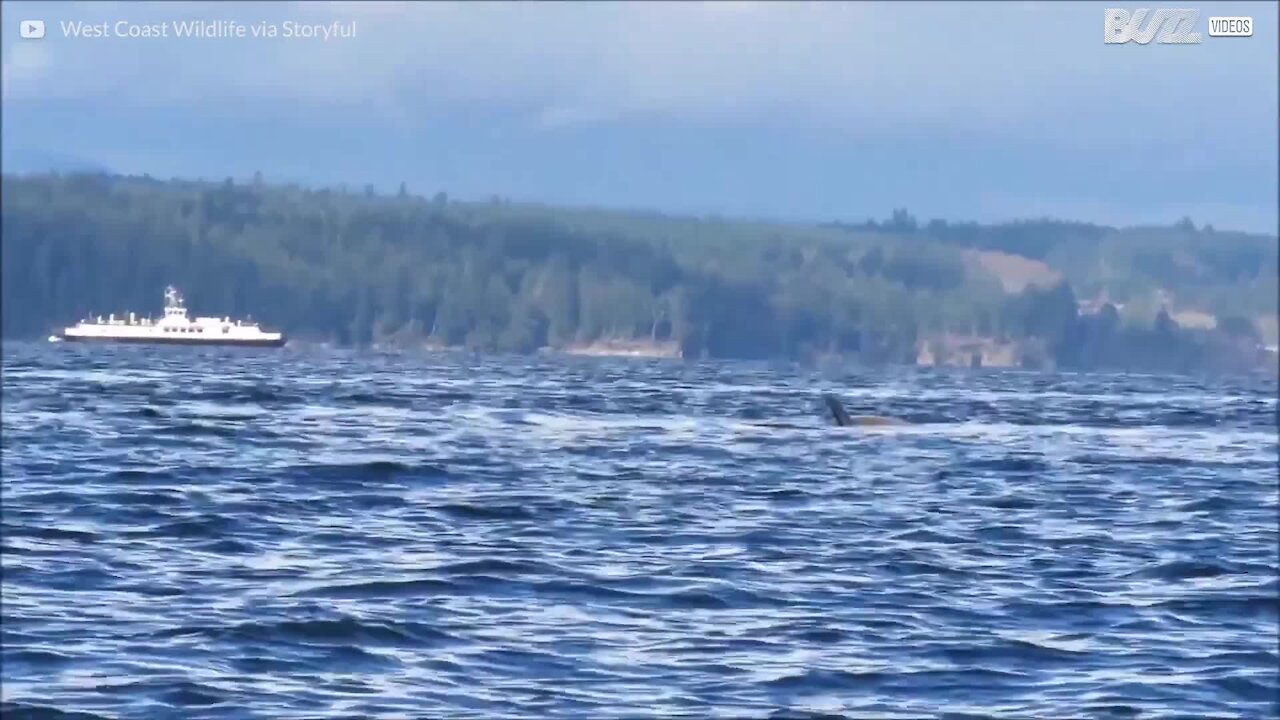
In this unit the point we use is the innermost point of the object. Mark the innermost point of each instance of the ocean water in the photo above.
(211, 533)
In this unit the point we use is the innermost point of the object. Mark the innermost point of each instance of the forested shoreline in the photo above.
(357, 268)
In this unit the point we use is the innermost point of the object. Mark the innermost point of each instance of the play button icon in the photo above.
(32, 29)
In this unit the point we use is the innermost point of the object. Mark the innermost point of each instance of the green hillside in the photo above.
(357, 268)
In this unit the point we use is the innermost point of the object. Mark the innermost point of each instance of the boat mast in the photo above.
(172, 298)
(174, 309)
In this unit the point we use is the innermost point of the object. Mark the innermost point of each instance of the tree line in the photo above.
(356, 268)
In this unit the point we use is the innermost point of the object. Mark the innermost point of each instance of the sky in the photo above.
(790, 111)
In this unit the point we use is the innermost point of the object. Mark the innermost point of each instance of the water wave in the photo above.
(208, 533)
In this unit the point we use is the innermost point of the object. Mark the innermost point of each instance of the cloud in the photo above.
(938, 100)
(989, 67)
(563, 116)
(24, 67)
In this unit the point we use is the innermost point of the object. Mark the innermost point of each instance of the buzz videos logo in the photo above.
(1167, 26)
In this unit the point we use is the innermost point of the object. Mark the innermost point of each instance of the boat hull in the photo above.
(210, 342)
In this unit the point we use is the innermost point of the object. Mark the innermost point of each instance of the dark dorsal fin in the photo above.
(837, 411)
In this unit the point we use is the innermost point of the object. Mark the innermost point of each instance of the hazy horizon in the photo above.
(796, 112)
(628, 210)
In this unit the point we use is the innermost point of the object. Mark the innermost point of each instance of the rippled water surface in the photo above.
(201, 533)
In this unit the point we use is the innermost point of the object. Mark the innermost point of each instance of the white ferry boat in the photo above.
(174, 328)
